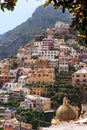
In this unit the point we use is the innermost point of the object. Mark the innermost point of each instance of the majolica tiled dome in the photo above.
(65, 112)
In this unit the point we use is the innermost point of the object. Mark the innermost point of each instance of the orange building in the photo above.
(38, 90)
(42, 75)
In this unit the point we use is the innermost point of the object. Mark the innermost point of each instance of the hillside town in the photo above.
(40, 75)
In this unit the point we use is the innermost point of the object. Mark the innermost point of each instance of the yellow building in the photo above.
(43, 75)
(38, 90)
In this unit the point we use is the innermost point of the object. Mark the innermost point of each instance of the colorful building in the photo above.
(42, 75)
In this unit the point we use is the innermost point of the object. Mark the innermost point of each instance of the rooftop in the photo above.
(67, 126)
(83, 70)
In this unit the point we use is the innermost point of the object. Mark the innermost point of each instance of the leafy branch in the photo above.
(78, 8)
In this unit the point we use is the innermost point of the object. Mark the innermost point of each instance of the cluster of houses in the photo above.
(36, 63)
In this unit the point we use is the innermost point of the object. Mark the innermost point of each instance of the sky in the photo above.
(23, 10)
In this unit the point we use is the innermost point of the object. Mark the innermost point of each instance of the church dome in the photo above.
(65, 112)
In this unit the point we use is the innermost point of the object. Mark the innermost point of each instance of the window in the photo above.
(84, 80)
(84, 76)
(38, 82)
(77, 75)
(34, 105)
(39, 75)
(66, 68)
(30, 106)
(51, 76)
(41, 101)
(34, 75)
(43, 82)
(77, 80)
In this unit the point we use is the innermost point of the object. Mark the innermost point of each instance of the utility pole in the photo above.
(20, 120)
(20, 125)
(38, 128)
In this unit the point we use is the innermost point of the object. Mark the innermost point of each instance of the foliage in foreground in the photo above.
(33, 117)
(79, 10)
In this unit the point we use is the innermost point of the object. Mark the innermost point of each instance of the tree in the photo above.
(8, 4)
(78, 8)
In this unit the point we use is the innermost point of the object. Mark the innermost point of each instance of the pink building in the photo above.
(80, 77)
(47, 43)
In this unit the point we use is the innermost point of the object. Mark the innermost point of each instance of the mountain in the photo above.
(41, 19)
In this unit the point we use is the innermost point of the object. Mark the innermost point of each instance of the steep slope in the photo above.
(41, 19)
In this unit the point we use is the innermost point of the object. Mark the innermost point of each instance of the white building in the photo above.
(36, 102)
(56, 44)
(4, 98)
(22, 80)
(8, 86)
(34, 52)
(38, 43)
(80, 77)
(71, 42)
(73, 52)
(61, 42)
(51, 54)
(63, 66)
(60, 24)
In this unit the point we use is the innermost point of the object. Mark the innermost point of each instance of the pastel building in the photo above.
(42, 75)
(80, 77)
(48, 43)
(64, 49)
(56, 44)
(38, 43)
(36, 102)
(24, 53)
(50, 54)
(63, 64)
(4, 98)
(14, 124)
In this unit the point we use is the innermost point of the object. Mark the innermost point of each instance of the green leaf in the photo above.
(3, 6)
(14, 1)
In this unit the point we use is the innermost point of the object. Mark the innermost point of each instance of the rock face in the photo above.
(65, 112)
(41, 19)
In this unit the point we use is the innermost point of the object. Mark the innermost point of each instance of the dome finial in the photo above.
(65, 101)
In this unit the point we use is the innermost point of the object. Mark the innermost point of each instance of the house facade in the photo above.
(80, 77)
(42, 75)
(63, 64)
(36, 102)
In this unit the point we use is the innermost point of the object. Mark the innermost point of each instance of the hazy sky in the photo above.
(23, 10)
